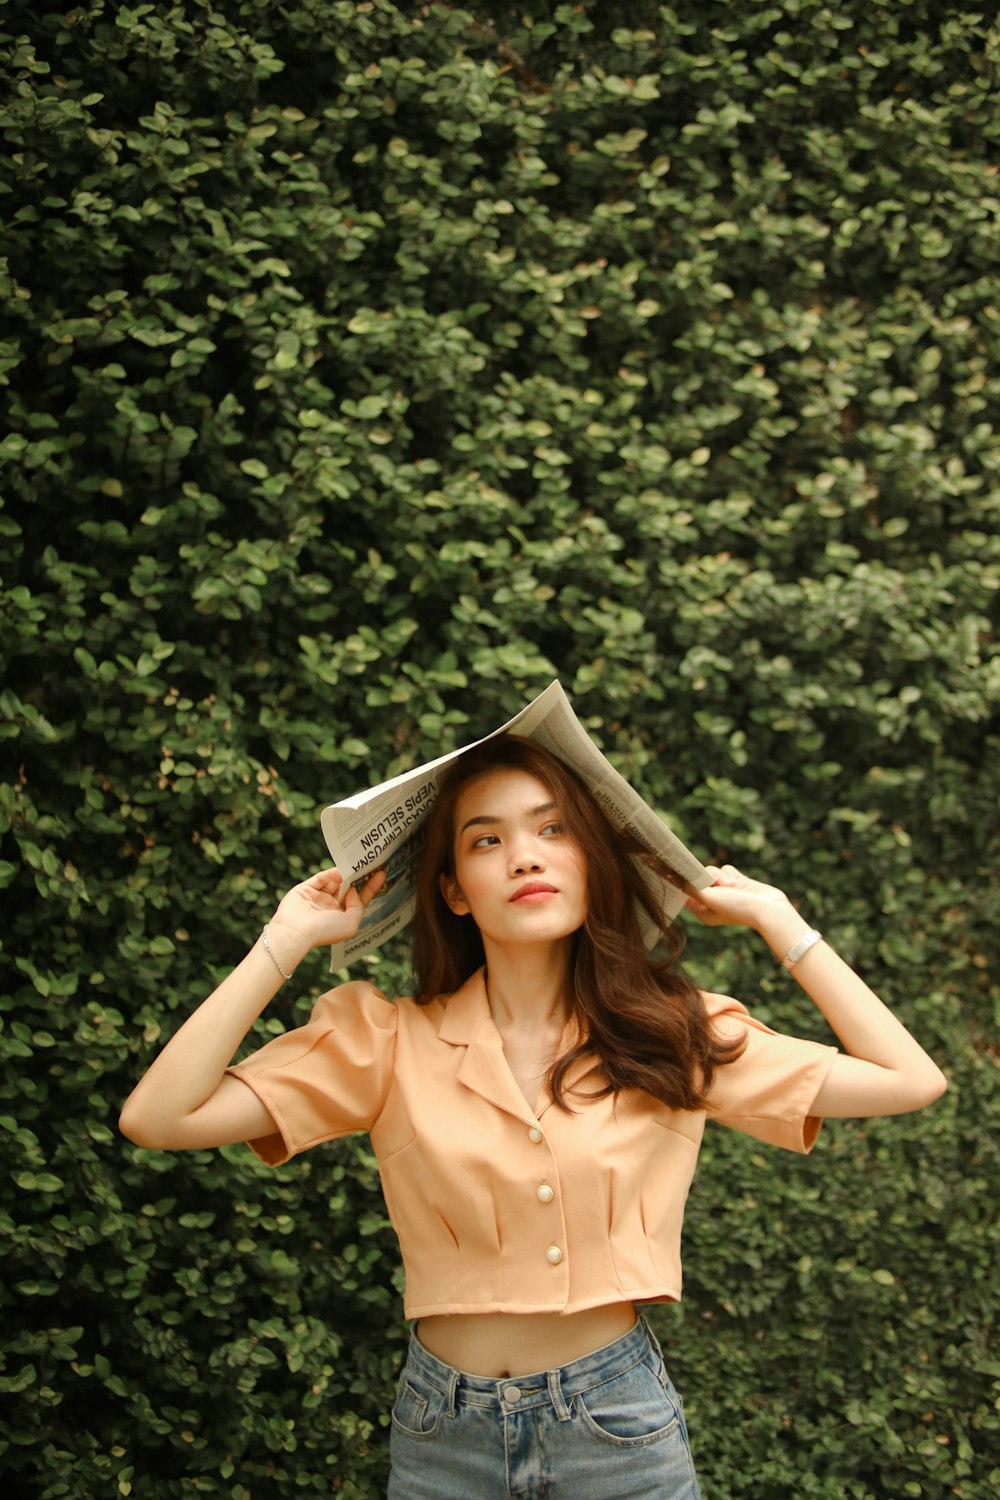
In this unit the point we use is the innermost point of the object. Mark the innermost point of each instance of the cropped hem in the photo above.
(412, 1311)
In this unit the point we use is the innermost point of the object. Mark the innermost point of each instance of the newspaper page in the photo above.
(382, 827)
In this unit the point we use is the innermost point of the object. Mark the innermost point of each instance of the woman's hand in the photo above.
(736, 898)
(319, 911)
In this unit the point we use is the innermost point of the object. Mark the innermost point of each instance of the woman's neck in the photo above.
(528, 987)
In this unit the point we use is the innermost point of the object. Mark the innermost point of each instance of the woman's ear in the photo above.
(452, 893)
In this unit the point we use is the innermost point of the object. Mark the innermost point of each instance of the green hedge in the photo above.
(365, 366)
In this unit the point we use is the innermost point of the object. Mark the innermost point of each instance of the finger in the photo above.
(326, 880)
(365, 889)
(701, 910)
(372, 883)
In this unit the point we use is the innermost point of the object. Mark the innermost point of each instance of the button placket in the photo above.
(546, 1193)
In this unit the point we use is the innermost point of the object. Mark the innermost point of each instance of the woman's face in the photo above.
(518, 873)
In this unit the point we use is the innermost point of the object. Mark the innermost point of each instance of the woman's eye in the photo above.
(486, 841)
(554, 828)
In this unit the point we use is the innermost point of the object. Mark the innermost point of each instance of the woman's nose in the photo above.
(525, 855)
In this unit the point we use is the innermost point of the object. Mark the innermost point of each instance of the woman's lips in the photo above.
(535, 891)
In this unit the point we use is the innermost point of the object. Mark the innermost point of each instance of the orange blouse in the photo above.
(497, 1209)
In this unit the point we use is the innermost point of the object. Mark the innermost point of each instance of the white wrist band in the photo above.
(267, 949)
(801, 948)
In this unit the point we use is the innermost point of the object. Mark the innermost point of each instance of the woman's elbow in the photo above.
(929, 1087)
(938, 1085)
(138, 1129)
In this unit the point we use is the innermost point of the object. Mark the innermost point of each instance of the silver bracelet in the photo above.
(801, 948)
(270, 954)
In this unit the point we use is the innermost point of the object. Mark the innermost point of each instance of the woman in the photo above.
(537, 1112)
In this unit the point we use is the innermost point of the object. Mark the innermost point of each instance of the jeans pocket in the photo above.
(414, 1414)
(631, 1410)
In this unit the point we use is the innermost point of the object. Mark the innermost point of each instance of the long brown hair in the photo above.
(641, 1020)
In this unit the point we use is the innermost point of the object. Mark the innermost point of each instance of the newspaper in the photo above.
(382, 828)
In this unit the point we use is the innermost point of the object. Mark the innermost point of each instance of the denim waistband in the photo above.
(557, 1386)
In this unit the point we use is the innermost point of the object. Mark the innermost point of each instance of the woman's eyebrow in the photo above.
(487, 821)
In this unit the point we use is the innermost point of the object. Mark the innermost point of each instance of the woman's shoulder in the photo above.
(353, 992)
(358, 1000)
(717, 1005)
(359, 997)
(729, 1018)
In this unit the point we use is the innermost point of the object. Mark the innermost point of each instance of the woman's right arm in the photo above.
(185, 1100)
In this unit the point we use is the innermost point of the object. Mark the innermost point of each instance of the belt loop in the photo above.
(556, 1396)
(452, 1391)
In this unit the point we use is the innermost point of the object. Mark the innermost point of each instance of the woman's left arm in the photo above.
(885, 1071)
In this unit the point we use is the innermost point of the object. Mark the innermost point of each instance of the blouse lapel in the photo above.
(467, 1023)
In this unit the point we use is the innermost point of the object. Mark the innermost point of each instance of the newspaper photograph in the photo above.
(382, 827)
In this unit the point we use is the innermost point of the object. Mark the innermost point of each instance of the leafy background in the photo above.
(364, 367)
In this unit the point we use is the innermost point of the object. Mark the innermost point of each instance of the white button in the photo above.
(512, 1393)
(534, 1134)
(553, 1255)
(545, 1193)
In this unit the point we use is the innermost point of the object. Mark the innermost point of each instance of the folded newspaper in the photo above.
(383, 826)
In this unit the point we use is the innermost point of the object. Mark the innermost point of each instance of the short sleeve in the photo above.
(769, 1090)
(328, 1078)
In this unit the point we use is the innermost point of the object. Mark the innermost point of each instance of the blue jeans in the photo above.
(609, 1426)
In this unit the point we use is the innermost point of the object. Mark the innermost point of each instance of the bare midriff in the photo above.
(499, 1345)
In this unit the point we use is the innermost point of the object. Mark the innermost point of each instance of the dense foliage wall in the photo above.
(365, 366)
